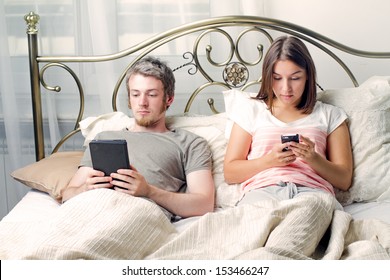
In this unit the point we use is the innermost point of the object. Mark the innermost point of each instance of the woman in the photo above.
(286, 104)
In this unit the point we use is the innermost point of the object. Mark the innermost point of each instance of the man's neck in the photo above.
(138, 128)
(157, 127)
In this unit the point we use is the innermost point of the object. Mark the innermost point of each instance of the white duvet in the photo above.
(119, 226)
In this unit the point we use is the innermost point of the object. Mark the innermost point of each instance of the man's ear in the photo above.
(170, 100)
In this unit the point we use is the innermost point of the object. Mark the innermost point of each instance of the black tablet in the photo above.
(109, 155)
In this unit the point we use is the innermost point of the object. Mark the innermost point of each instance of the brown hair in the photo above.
(153, 67)
(293, 49)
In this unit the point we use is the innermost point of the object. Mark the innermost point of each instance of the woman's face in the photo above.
(288, 82)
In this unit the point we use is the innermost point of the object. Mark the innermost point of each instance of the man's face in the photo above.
(147, 100)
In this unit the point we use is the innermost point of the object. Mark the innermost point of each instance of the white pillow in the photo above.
(112, 121)
(211, 128)
(368, 109)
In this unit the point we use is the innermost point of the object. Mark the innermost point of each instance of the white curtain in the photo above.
(11, 127)
(237, 7)
(68, 27)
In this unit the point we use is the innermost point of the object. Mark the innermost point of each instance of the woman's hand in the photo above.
(305, 149)
(281, 157)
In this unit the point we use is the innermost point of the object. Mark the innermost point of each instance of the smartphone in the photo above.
(109, 155)
(289, 138)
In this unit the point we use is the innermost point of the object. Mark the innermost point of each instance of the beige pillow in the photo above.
(51, 174)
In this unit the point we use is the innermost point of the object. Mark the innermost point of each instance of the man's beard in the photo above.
(145, 122)
(150, 121)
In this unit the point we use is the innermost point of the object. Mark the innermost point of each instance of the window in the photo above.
(69, 27)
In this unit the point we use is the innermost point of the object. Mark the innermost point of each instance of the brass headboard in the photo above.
(234, 68)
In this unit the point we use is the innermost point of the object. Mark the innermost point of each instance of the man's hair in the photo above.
(293, 49)
(153, 67)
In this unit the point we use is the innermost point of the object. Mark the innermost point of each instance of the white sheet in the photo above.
(39, 229)
(37, 205)
(370, 210)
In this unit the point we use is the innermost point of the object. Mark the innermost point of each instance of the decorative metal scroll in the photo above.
(76, 128)
(193, 69)
(234, 68)
(231, 67)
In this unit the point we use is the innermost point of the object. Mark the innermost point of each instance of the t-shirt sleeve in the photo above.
(86, 159)
(197, 155)
(336, 117)
(240, 108)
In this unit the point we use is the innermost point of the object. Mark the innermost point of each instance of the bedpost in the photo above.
(32, 20)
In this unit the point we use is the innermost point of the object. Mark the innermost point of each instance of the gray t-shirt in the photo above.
(164, 159)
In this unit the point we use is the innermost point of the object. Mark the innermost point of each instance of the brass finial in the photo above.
(32, 20)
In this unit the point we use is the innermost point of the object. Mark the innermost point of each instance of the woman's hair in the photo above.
(153, 67)
(292, 49)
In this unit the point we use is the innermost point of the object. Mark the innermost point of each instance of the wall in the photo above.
(359, 24)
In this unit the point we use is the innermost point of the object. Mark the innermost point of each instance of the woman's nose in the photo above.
(286, 86)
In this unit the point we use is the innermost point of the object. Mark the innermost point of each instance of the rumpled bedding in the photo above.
(104, 224)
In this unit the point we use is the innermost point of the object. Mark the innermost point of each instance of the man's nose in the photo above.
(143, 100)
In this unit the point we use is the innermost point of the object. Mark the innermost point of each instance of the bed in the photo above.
(40, 227)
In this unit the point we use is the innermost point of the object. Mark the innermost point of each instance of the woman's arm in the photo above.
(237, 168)
(338, 167)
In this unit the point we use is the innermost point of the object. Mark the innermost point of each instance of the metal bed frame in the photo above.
(234, 68)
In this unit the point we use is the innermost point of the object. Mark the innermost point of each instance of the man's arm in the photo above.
(197, 200)
(85, 178)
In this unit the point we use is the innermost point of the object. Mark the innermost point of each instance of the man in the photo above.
(170, 167)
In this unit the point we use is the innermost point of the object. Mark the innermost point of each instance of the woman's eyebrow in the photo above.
(299, 71)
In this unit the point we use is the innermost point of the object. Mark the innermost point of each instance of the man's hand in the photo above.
(85, 179)
(130, 181)
(96, 180)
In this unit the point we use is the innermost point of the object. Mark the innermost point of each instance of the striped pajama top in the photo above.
(254, 117)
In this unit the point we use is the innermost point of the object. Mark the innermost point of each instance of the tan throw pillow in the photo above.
(51, 174)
